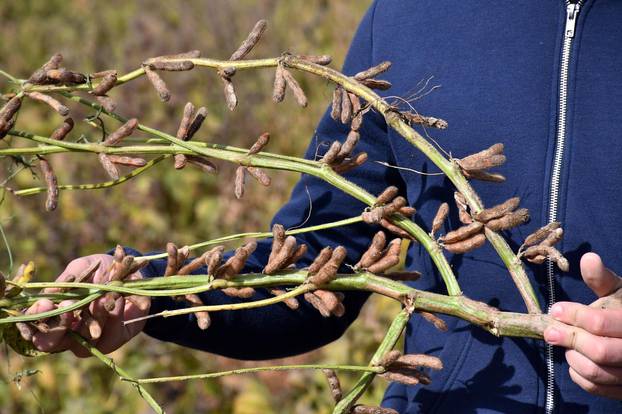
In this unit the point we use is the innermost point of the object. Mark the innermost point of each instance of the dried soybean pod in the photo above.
(107, 83)
(138, 265)
(414, 361)
(387, 195)
(331, 302)
(122, 132)
(230, 98)
(381, 85)
(466, 245)
(182, 255)
(280, 85)
(407, 211)
(332, 154)
(395, 229)
(196, 123)
(171, 264)
(203, 163)
(358, 160)
(346, 107)
(107, 103)
(509, 221)
(250, 42)
(102, 74)
(194, 264)
(333, 384)
(499, 210)
(50, 101)
(240, 174)
(357, 115)
(298, 254)
(553, 237)
(191, 54)
(291, 303)
(51, 183)
(158, 84)
(177, 66)
(462, 233)
(327, 272)
(373, 71)
(485, 176)
(541, 234)
(7, 112)
(214, 259)
(317, 59)
(320, 260)
(121, 269)
(336, 104)
(349, 144)
(294, 86)
(440, 217)
(317, 303)
(40, 77)
(278, 238)
(109, 167)
(367, 409)
(383, 264)
(434, 320)
(406, 379)
(482, 163)
(374, 251)
(186, 119)
(276, 262)
(127, 161)
(389, 358)
(261, 142)
(236, 263)
(61, 132)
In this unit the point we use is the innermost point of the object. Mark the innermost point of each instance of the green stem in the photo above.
(351, 368)
(119, 371)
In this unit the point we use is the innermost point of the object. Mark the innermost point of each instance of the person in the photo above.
(543, 78)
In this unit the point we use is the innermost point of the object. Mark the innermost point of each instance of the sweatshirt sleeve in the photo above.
(277, 331)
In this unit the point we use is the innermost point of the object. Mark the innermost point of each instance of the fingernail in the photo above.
(552, 335)
(556, 310)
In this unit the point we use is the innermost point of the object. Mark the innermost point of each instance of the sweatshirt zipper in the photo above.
(572, 11)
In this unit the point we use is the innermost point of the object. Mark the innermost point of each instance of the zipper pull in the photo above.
(572, 11)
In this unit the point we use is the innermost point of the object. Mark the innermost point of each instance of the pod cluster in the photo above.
(538, 246)
(387, 204)
(406, 369)
(257, 173)
(476, 166)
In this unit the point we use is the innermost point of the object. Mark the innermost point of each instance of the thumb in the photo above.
(600, 279)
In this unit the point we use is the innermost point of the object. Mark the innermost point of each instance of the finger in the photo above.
(610, 391)
(602, 322)
(600, 279)
(135, 307)
(601, 350)
(598, 374)
(114, 336)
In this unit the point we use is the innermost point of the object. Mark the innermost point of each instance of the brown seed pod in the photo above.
(383, 264)
(51, 183)
(102, 74)
(484, 176)
(414, 361)
(317, 59)
(242, 293)
(407, 211)
(182, 255)
(50, 101)
(213, 260)
(203, 163)
(407, 378)
(194, 264)
(434, 320)
(277, 261)
(294, 86)
(291, 303)
(176, 66)
(64, 76)
(327, 272)
(240, 174)
(109, 167)
(426, 121)
(298, 254)
(439, 218)
(138, 265)
(477, 163)
(358, 160)
(230, 98)
(466, 245)
(280, 85)
(158, 84)
(331, 156)
(196, 123)
(395, 229)
(333, 384)
(259, 175)
(278, 238)
(192, 54)
(357, 115)
(349, 144)
(510, 220)
(107, 103)
(463, 215)
(378, 84)
(541, 234)
(534, 254)
(367, 409)
(317, 303)
(320, 260)
(119, 270)
(336, 104)
(462, 233)
(108, 82)
(127, 161)
(235, 263)
(389, 358)
(122, 132)
(261, 142)
(186, 119)
(374, 252)
(499, 210)
(331, 301)
(387, 195)
(251, 40)
(10, 109)
(39, 77)
(553, 237)
(61, 132)
(373, 71)
(346, 107)
(172, 264)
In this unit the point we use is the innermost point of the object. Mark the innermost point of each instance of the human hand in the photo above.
(593, 334)
(101, 323)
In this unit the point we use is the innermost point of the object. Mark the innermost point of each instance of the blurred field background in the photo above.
(164, 204)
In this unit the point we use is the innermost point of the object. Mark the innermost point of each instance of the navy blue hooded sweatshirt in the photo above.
(499, 66)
